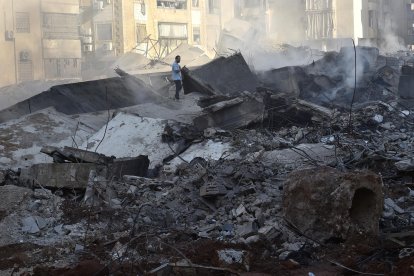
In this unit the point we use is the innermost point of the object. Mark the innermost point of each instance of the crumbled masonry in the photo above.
(250, 173)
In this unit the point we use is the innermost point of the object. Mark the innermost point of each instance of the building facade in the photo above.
(151, 27)
(41, 40)
(410, 23)
(330, 23)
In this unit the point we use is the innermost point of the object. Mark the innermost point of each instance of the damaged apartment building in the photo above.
(40, 40)
(151, 28)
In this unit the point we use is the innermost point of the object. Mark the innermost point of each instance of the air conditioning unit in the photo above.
(9, 35)
(87, 48)
(24, 56)
(87, 32)
(108, 46)
(99, 5)
(87, 39)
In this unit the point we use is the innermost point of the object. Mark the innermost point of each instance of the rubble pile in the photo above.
(268, 178)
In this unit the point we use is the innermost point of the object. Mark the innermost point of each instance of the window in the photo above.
(195, 3)
(22, 22)
(196, 35)
(25, 66)
(172, 4)
(104, 31)
(172, 30)
(57, 25)
(141, 32)
(213, 6)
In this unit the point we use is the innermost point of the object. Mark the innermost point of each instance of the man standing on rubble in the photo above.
(176, 76)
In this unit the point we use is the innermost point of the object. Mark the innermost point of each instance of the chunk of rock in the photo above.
(327, 204)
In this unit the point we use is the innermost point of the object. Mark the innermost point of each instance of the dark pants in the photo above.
(178, 86)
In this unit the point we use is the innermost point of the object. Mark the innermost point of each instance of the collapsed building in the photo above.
(290, 171)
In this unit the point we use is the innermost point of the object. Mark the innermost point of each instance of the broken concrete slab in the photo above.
(232, 114)
(129, 135)
(21, 139)
(222, 76)
(287, 80)
(300, 156)
(60, 175)
(327, 204)
(84, 97)
(76, 155)
(247, 229)
(208, 150)
(76, 175)
(285, 110)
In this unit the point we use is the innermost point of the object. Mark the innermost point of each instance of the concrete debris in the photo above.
(222, 76)
(232, 257)
(232, 114)
(389, 203)
(30, 225)
(129, 135)
(328, 204)
(84, 97)
(75, 155)
(405, 165)
(11, 197)
(60, 175)
(212, 190)
(271, 172)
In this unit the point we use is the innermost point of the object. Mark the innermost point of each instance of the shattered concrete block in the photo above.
(388, 202)
(270, 232)
(79, 248)
(405, 165)
(30, 225)
(231, 256)
(239, 211)
(252, 239)
(231, 114)
(248, 229)
(59, 229)
(212, 190)
(41, 222)
(325, 203)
